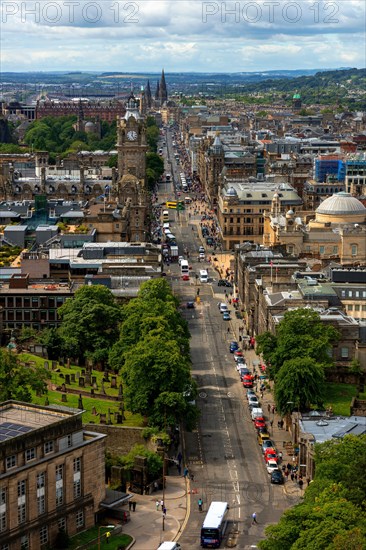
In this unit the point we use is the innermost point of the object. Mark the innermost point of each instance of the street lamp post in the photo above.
(105, 527)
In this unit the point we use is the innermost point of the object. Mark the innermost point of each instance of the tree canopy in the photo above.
(18, 381)
(90, 323)
(332, 514)
(152, 354)
(296, 357)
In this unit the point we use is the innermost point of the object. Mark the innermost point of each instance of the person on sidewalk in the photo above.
(254, 518)
(200, 504)
(157, 504)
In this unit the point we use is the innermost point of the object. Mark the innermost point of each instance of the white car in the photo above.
(201, 250)
(271, 465)
(202, 255)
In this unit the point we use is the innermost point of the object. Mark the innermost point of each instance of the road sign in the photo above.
(171, 204)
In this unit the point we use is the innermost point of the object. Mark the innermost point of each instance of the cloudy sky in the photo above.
(180, 35)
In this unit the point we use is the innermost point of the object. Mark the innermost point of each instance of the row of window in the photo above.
(32, 301)
(30, 315)
(353, 293)
(40, 493)
(30, 454)
(242, 220)
(43, 532)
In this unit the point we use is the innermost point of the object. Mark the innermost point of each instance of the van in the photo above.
(203, 276)
(170, 546)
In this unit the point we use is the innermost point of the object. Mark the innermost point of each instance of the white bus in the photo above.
(203, 276)
(214, 525)
(184, 267)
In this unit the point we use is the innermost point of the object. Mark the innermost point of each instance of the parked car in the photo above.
(250, 392)
(253, 400)
(238, 353)
(271, 466)
(262, 438)
(201, 250)
(209, 241)
(222, 307)
(248, 381)
(267, 444)
(277, 477)
(270, 454)
(226, 316)
(185, 277)
(234, 346)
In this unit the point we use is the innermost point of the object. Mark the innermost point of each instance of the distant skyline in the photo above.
(179, 35)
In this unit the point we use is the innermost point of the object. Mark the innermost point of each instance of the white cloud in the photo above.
(185, 35)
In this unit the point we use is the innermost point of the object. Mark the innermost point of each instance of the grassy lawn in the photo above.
(339, 396)
(115, 541)
(89, 403)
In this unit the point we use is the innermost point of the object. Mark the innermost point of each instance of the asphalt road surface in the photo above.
(223, 453)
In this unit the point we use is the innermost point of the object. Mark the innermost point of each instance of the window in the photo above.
(357, 293)
(43, 535)
(344, 353)
(11, 462)
(48, 447)
(321, 249)
(357, 307)
(24, 542)
(30, 454)
(59, 485)
(335, 249)
(69, 440)
(354, 249)
(41, 495)
(2, 509)
(62, 524)
(22, 511)
(77, 477)
(80, 518)
(350, 293)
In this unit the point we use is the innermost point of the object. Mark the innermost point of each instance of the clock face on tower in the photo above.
(131, 135)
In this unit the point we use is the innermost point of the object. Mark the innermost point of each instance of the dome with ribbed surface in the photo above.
(341, 204)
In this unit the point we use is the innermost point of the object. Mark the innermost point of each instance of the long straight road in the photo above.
(223, 453)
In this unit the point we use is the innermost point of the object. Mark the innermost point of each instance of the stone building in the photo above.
(336, 231)
(241, 206)
(51, 474)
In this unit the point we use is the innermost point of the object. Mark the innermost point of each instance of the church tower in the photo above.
(148, 95)
(163, 92)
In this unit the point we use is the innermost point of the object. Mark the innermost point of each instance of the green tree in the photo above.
(152, 367)
(154, 461)
(53, 342)
(90, 323)
(301, 333)
(154, 168)
(299, 384)
(17, 381)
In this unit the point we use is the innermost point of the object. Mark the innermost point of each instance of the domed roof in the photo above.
(231, 192)
(340, 204)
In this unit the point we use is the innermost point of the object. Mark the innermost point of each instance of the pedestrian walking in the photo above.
(280, 456)
(185, 472)
(107, 536)
(157, 504)
(308, 481)
(269, 407)
(192, 477)
(179, 457)
(292, 476)
(134, 506)
(301, 483)
(162, 504)
(200, 503)
(271, 422)
(254, 518)
(286, 473)
(164, 511)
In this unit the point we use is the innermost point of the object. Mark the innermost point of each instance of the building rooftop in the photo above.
(326, 428)
(17, 418)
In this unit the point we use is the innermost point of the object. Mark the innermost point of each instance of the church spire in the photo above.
(163, 89)
(148, 97)
(157, 93)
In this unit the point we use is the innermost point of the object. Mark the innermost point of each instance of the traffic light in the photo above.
(180, 206)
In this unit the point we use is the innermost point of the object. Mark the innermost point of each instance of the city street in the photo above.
(223, 454)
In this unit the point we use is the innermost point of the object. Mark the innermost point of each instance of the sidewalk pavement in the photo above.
(146, 523)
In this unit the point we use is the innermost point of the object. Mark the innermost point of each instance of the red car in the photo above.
(270, 454)
(259, 422)
(248, 381)
(185, 277)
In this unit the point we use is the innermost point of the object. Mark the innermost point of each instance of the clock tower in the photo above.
(131, 191)
(131, 142)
